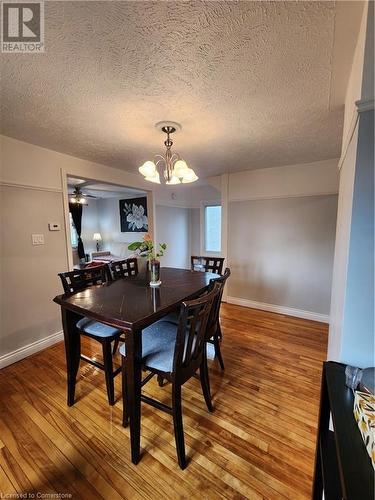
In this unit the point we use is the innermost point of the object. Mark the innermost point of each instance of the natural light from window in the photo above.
(212, 228)
(73, 232)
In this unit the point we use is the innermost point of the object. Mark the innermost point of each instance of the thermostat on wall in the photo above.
(54, 226)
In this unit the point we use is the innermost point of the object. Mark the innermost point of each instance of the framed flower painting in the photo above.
(133, 215)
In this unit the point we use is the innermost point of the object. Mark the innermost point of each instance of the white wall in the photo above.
(33, 181)
(351, 334)
(279, 182)
(186, 195)
(259, 250)
(354, 87)
(344, 211)
(30, 169)
(195, 231)
(28, 274)
(358, 325)
(110, 227)
(281, 251)
(173, 228)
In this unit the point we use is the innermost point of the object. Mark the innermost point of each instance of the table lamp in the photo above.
(97, 237)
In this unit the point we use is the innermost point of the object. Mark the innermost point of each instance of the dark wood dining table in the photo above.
(129, 304)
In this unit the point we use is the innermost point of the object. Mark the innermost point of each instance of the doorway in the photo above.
(103, 219)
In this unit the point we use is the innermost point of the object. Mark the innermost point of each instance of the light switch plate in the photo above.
(54, 226)
(37, 239)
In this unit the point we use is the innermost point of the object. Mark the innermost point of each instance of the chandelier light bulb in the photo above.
(189, 176)
(155, 178)
(179, 169)
(148, 169)
(174, 180)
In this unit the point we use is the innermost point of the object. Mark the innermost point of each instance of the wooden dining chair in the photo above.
(175, 352)
(78, 280)
(214, 334)
(121, 269)
(124, 268)
(207, 264)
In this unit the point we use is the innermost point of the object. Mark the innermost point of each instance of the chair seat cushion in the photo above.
(171, 317)
(158, 344)
(92, 327)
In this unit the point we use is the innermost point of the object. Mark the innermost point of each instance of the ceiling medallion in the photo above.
(174, 169)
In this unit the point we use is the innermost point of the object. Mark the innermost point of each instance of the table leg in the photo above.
(133, 343)
(72, 340)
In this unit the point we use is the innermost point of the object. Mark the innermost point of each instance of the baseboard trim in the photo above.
(28, 350)
(289, 311)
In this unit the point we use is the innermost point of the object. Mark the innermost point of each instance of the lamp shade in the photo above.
(189, 176)
(173, 180)
(97, 237)
(148, 169)
(180, 168)
(154, 178)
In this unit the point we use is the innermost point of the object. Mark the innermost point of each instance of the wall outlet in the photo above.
(54, 226)
(37, 239)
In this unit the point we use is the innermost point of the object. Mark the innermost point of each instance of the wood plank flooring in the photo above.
(259, 442)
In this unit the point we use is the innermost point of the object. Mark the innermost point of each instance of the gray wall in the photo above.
(173, 228)
(29, 272)
(110, 227)
(281, 251)
(358, 324)
(195, 231)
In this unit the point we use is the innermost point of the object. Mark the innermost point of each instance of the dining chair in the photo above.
(207, 264)
(78, 280)
(124, 268)
(175, 352)
(214, 334)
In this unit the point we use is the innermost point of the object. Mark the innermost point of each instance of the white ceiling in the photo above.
(250, 82)
(102, 190)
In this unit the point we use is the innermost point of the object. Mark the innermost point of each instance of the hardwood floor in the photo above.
(259, 442)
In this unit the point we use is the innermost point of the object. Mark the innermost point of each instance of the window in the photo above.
(73, 232)
(212, 228)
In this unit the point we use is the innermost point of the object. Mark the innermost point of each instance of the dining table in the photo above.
(129, 304)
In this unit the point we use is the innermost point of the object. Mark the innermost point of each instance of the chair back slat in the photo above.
(124, 268)
(74, 281)
(213, 320)
(207, 264)
(191, 334)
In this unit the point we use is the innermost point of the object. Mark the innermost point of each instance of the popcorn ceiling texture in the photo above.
(249, 81)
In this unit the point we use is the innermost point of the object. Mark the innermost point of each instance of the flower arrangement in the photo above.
(146, 248)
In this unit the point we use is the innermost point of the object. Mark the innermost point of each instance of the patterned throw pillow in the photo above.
(364, 413)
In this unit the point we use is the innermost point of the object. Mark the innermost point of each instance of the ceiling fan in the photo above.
(77, 196)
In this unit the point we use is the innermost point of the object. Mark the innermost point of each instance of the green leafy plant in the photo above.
(146, 248)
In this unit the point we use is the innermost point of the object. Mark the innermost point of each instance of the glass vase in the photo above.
(155, 272)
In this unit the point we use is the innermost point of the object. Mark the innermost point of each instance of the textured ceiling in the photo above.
(248, 81)
(100, 190)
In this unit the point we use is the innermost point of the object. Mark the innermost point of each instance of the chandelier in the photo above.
(173, 168)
